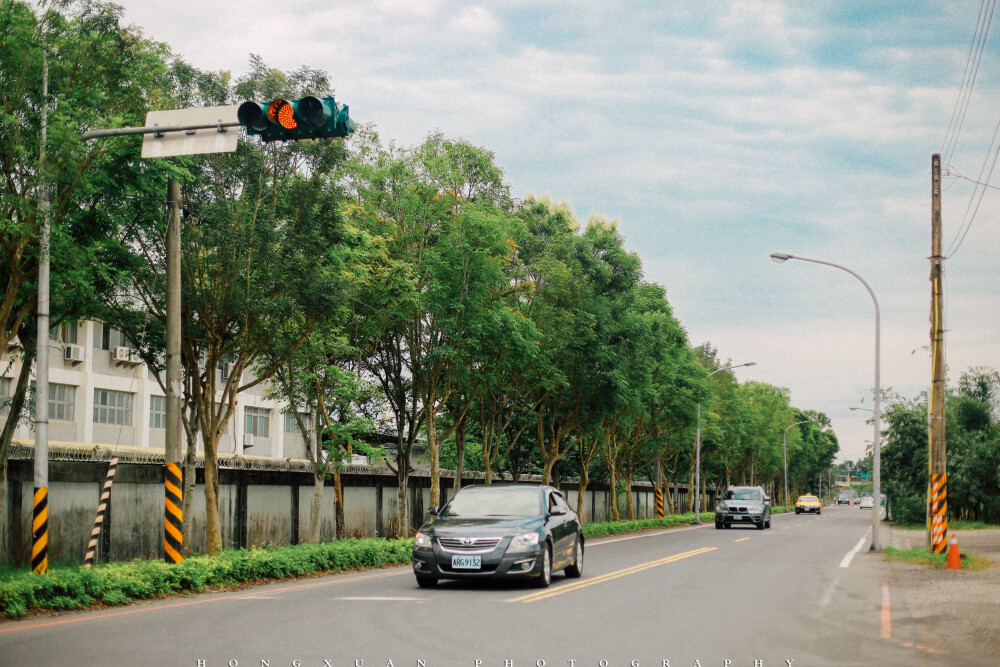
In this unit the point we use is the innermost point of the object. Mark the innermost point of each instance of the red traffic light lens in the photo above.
(281, 113)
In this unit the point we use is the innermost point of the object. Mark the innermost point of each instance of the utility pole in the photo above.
(938, 487)
(40, 499)
(173, 480)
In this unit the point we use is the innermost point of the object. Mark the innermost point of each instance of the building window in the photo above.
(291, 426)
(157, 412)
(5, 389)
(64, 334)
(106, 338)
(112, 407)
(258, 422)
(62, 402)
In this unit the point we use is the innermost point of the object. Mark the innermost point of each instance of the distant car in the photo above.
(808, 503)
(843, 499)
(867, 503)
(500, 531)
(856, 501)
(744, 506)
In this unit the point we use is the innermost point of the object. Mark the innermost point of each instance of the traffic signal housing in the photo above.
(291, 120)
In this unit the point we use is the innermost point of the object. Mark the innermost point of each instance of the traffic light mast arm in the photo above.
(124, 131)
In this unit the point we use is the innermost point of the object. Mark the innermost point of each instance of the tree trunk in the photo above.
(613, 513)
(459, 455)
(629, 502)
(6, 437)
(433, 451)
(340, 529)
(213, 525)
(319, 476)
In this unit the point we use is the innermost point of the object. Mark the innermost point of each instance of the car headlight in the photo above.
(721, 507)
(524, 541)
(755, 509)
(422, 540)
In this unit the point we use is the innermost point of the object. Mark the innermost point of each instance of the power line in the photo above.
(976, 49)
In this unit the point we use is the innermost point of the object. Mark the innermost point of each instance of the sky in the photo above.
(715, 133)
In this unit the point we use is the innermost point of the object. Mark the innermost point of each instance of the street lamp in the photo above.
(784, 455)
(781, 257)
(697, 454)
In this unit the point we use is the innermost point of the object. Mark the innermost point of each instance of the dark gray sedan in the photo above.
(500, 531)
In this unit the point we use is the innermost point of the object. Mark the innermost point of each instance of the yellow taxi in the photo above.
(808, 503)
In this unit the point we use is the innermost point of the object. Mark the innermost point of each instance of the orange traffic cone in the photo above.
(954, 559)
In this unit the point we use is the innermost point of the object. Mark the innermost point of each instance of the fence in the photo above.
(261, 501)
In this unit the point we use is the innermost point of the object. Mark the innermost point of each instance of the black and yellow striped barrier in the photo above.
(173, 518)
(659, 502)
(40, 531)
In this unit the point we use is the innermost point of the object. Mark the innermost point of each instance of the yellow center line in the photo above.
(742, 539)
(569, 588)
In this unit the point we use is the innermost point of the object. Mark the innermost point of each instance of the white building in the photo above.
(101, 393)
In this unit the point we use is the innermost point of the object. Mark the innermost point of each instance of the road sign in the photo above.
(213, 139)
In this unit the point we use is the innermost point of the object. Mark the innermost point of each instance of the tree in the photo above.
(262, 248)
(98, 73)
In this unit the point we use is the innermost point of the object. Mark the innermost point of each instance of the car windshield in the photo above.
(501, 501)
(809, 498)
(743, 494)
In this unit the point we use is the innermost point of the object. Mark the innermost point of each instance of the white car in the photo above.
(867, 503)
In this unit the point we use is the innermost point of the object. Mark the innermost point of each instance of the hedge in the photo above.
(119, 583)
(66, 588)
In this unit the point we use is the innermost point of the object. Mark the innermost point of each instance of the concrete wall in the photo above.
(256, 508)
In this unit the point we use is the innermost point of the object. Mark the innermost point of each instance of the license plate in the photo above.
(466, 562)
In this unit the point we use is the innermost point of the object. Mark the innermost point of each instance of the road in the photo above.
(805, 592)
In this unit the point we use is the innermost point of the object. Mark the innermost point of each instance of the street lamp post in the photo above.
(781, 257)
(784, 456)
(697, 453)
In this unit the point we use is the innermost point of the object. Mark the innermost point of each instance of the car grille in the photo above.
(738, 509)
(468, 545)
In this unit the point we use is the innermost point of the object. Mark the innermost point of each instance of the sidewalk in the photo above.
(954, 612)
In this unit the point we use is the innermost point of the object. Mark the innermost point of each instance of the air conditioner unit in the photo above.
(73, 353)
(248, 440)
(125, 355)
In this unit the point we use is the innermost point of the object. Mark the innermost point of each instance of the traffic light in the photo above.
(290, 120)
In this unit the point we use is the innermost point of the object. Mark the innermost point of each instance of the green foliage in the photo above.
(602, 529)
(973, 452)
(119, 583)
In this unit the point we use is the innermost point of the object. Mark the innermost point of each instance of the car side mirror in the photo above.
(433, 510)
(556, 510)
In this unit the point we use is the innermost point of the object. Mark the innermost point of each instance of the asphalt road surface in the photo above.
(805, 592)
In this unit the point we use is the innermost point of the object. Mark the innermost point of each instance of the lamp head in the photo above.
(780, 257)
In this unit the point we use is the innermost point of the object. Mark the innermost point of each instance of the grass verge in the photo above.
(937, 561)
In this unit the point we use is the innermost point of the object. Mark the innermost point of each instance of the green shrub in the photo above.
(22, 592)
(74, 587)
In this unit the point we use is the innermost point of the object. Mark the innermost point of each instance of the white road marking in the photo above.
(828, 594)
(846, 562)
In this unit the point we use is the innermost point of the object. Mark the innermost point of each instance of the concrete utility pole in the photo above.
(173, 479)
(938, 484)
(40, 499)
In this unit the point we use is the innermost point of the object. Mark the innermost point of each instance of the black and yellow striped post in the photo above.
(659, 502)
(173, 517)
(40, 531)
(102, 508)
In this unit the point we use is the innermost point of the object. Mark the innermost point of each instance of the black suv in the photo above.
(744, 506)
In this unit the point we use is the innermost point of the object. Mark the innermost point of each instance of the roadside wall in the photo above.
(257, 507)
